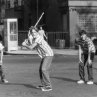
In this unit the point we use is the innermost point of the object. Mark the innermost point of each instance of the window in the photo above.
(88, 22)
(14, 3)
(8, 4)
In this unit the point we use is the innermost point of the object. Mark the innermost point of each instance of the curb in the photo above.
(56, 52)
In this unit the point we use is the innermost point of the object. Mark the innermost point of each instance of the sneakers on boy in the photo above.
(4, 81)
(47, 88)
(80, 82)
(90, 82)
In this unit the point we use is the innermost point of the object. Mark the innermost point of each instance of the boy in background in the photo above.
(42, 33)
(86, 57)
(1, 62)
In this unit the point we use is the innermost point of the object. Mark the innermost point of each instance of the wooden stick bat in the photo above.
(36, 23)
(39, 19)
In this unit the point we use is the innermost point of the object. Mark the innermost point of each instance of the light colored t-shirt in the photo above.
(87, 44)
(43, 47)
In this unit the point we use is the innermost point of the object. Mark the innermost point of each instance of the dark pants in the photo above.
(44, 70)
(1, 73)
(89, 66)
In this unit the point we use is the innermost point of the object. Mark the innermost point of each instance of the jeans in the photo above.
(44, 70)
(1, 73)
(89, 67)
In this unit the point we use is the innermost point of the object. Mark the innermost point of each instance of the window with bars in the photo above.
(88, 22)
(14, 3)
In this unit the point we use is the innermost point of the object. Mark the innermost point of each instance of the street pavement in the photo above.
(21, 69)
(23, 76)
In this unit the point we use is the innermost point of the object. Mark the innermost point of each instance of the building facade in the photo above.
(82, 15)
(62, 16)
(55, 19)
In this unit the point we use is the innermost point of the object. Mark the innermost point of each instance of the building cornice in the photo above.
(82, 3)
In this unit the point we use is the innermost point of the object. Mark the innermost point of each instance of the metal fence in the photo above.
(55, 39)
(22, 35)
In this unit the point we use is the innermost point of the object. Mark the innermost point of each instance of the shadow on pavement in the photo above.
(64, 79)
(23, 84)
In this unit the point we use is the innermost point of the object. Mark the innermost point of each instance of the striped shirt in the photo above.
(87, 44)
(43, 47)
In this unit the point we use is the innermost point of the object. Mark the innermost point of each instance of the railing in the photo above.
(55, 39)
(22, 35)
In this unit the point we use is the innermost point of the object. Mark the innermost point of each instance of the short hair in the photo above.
(82, 32)
(32, 27)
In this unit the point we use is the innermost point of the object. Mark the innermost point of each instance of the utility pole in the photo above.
(37, 8)
(0, 11)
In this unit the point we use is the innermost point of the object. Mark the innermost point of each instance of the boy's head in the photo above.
(34, 32)
(83, 34)
(41, 28)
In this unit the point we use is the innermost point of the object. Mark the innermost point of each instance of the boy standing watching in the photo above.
(86, 55)
(42, 33)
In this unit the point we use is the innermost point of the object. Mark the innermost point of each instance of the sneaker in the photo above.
(80, 82)
(40, 86)
(47, 88)
(90, 82)
(4, 81)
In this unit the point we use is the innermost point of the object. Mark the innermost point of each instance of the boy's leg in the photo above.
(40, 70)
(44, 71)
(1, 69)
(89, 67)
(81, 67)
(1, 73)
(81, 71)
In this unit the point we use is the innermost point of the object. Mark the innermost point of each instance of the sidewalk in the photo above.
(56, 51)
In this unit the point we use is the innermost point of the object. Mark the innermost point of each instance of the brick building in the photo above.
(61, 16)
(83, 15)
(55, 19)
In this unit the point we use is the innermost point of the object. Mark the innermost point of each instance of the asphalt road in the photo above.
(22, 73)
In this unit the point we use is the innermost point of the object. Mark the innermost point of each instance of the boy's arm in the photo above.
(1, 60)
(89, 52)
(80, 54)
(37, 40)
(31, 46)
